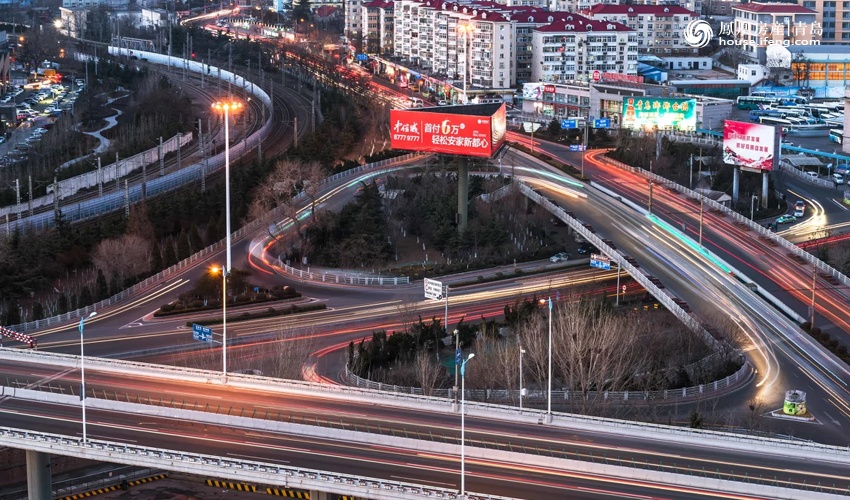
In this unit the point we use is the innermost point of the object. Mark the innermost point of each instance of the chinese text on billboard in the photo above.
(450, 133)
(664, 113)
(751, 146)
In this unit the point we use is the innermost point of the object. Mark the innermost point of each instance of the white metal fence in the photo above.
(537, 396)
(342, 278)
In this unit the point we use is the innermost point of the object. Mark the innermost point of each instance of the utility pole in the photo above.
(701, 198)
(161, 158)
(812, 307)
(29, 204)
(99, 178)
(295, 131)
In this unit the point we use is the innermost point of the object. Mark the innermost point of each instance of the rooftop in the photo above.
(773, 8)
(634, 10)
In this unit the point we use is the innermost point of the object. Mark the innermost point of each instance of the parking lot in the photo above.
(36, 110)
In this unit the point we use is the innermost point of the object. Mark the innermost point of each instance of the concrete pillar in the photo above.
(318, 495)
(764, 175)
(736, 181)
(39, 486)
(462, 194)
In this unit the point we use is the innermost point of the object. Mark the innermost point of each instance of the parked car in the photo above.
(785, 219)
(587, 248)
(813, 175)
(560, 257)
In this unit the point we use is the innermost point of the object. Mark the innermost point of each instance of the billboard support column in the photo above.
(764, 188)
(736, 179)
(462, 194)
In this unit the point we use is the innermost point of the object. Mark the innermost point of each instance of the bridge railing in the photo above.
(204, 254)
(762, 231)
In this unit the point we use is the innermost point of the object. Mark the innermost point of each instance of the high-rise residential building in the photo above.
(658, 28)
(378, 20)
(759, 25)
(833, 17)
(573, 48)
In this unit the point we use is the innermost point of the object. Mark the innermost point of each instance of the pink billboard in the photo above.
(751, 146)
(451, 130)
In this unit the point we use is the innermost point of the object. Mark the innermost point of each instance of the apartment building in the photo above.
(525, 21)
(757, 25)
(833, 17)
(460, 41)
(573, 48)
(658, 28)
(377, 26)
(354, 13)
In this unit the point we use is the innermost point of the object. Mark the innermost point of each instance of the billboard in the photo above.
(460, 132)
(663, 112)
(751, 146)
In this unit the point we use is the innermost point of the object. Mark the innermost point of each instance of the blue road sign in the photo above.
(457, 356)
(362, 57)
(600, 261)
(565, 124)
(602, 123)
(576, 147)
(202, 333)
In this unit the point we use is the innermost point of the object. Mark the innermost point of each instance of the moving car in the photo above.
(785, 219)
(560, 257)
(799, 209)
(587, 248)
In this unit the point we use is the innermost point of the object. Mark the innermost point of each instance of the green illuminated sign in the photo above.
(664, 113)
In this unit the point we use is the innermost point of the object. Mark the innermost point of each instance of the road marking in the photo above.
(836, 422)
(840, 204)
(261, 459)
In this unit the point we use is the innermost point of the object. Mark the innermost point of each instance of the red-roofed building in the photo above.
(758, 25)
(573, 47)
(658, 27)
(378, 26)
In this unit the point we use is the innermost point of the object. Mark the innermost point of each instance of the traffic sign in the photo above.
(600, 261)
(577, 147)
(568, 124)
(602, 123)
(597, 75)
(433, 289)
(362, 57)
(457, 356)
(202, 333)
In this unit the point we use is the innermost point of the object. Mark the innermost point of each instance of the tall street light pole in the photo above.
(216, 270)
(463, 426)
(521, 352)
(226, 107)
(549, 398)
(83, 373)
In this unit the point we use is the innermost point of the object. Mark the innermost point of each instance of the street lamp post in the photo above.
(521, 352)
(753, 207)
(549, 390)
(463, 426)
(216, 270)
(83, 373)
(226, 107)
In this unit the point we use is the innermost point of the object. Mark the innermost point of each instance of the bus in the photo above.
(754, 102)
(836, 135)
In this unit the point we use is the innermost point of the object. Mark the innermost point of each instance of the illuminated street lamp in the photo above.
(463, 426)
(549, 391)
(216, 270)
(227, 107)
(83, 373)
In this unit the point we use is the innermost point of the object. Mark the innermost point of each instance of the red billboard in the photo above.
(460, 133)
(751, 146)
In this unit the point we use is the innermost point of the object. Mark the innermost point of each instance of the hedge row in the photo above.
(172, 309)
(269, 313)
(825, 340)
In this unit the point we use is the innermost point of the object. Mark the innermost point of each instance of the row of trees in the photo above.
(594, 348)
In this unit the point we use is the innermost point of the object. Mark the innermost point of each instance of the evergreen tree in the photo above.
(13, 314)
(169, 256)
(183, 250)
(85, 298)
(63, 303)
(554, 128)
(195, 239)
(156, 258)
(115, 283)
(212, 232)
(101, 287)
(37, 311)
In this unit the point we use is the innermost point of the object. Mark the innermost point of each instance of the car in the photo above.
(442, 103)
(813, 175)
(560, 257)
(799, 208)
(785, 219)
(6, 99)
(587, 248)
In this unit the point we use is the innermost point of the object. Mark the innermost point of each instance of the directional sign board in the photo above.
(433, 289)
(202, 333)
(600, 261)
(602, 123)
(577, 147)
(362, 57)
(566, 124)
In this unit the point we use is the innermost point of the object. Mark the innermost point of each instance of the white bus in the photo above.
(836, 135)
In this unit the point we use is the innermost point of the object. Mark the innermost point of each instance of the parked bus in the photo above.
(836, 135)
(754, 102)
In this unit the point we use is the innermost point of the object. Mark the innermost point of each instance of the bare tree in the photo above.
(124, 257)
(278, 191)
(428, 372)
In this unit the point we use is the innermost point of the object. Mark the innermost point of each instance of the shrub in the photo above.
(167, 308)
(243, 297)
